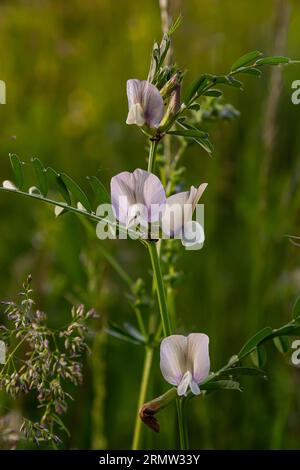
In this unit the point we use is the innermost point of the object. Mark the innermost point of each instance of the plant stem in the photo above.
(182, 424)
(107, 255)
(166, 324)
(10, 356)
(149, 350)
(63, 205)
(167, 330)
(142, 396)
(160, 289)
(99, 388)
(152, 155)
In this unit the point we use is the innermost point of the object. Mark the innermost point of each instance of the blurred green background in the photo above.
(65, 65)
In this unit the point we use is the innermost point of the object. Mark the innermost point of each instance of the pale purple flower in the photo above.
(178, 213)
(145, 103)
(184, 361)
(137, 194)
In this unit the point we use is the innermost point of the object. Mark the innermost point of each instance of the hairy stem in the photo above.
(152, 155)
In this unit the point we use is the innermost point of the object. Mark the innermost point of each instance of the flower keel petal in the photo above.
(184, 384)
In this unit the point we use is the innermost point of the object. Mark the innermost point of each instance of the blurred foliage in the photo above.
(65, 65)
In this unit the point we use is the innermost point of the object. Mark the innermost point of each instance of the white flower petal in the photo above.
(179, 198)
(196, 193)
(184, 384)
(194, 387)
(122, 195)
(178, 210)
(134, 92)
(198, 356)
(153, 104)
(136, 115)
(150, 192)
(173, 352)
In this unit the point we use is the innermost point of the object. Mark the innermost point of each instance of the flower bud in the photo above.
(170, 85)
(172, 109)
(148, 410)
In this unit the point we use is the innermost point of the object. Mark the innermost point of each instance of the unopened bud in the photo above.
(171, 84)
(172, 109)
(174, 104)
(148, 410)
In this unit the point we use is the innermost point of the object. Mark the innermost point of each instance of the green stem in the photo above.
(98, 406)
(63, 205)
(185, 422)
(116, 266)
(10, 356)
(142, 396)
(145, 379)
(152, 155)
(167, 330)
(160, 289)
(140, 321)
(182, 424)
(163, 308)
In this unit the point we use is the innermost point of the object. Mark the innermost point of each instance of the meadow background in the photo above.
(65, 65)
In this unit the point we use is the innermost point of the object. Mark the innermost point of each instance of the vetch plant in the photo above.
(172, 118)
